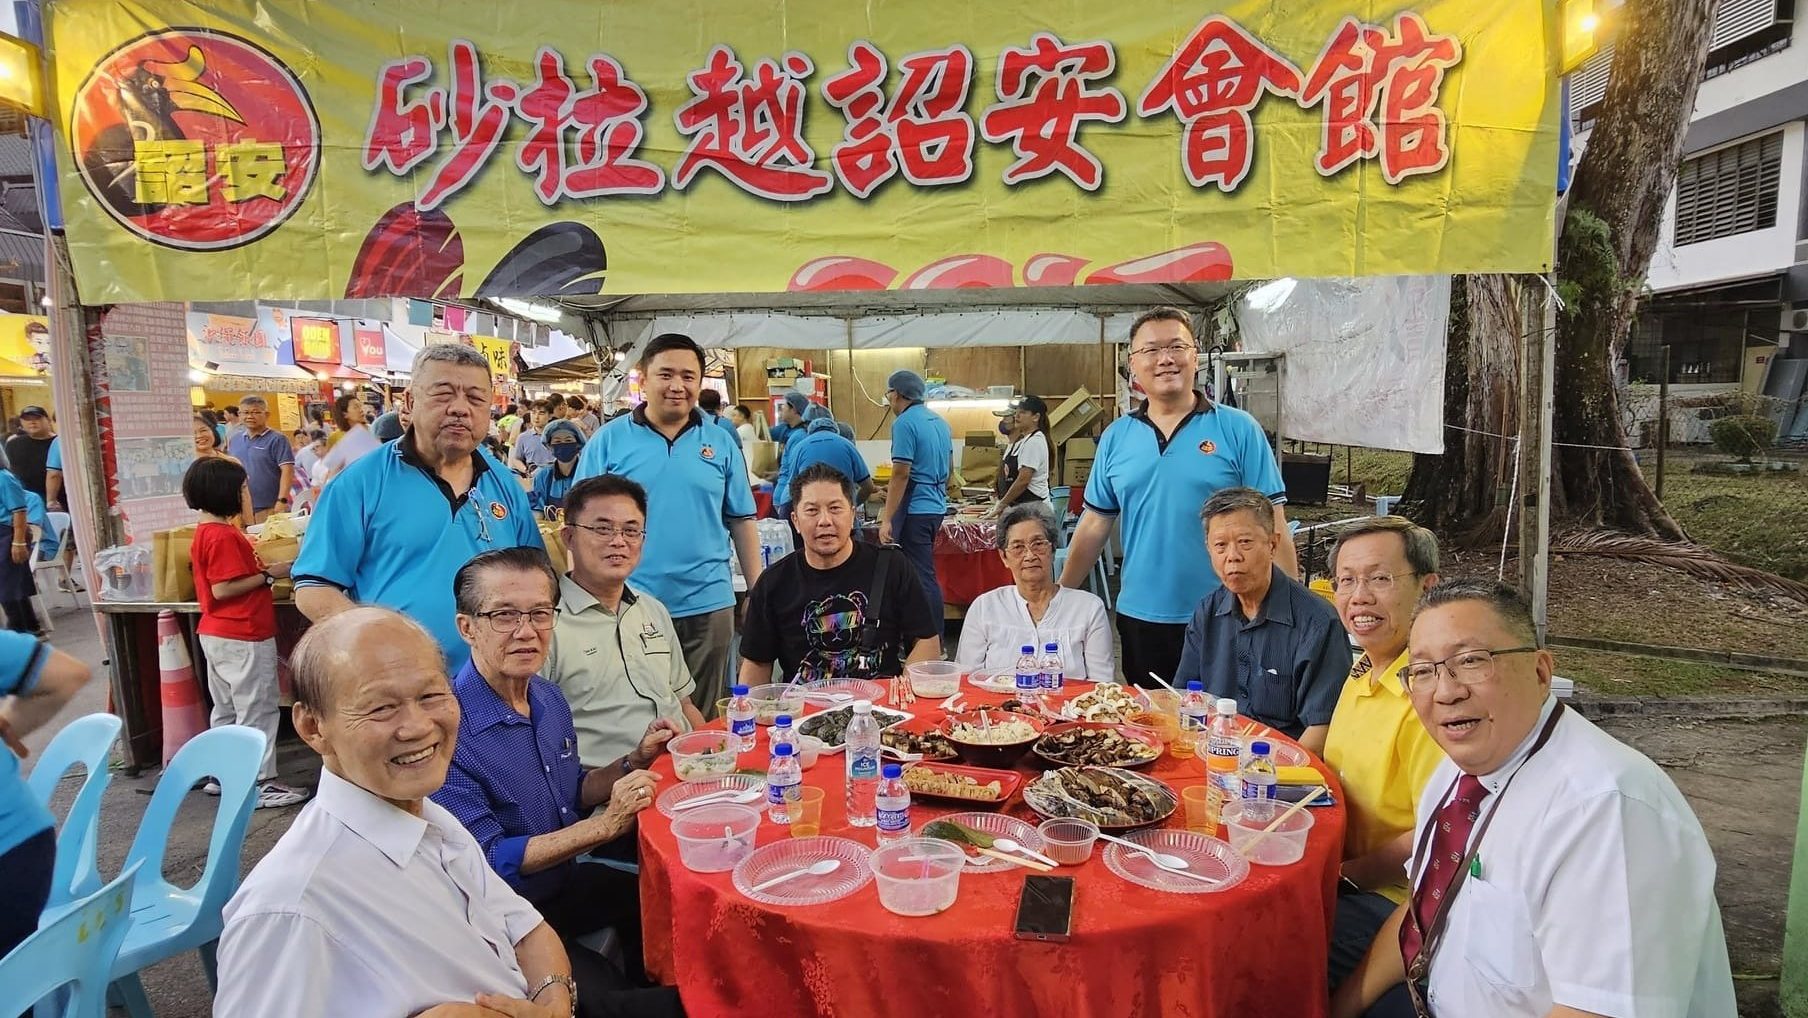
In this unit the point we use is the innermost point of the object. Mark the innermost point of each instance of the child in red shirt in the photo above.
(238, 617)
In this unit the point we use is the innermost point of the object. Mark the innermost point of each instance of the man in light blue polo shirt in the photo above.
(822, 443)
(1154, 469)
(699, 502)
(395, 526)
(35, 683)
(922, 459)
(710, 402)
(790, 428)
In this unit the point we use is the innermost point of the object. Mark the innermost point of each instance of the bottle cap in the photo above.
(1028, 648)
(738, 690)
(1226, 705)
(782, 749)
(1195, 686)
(1050, 647)
(1259, 748)
(863, 706)
(893, 771)
(782, 719)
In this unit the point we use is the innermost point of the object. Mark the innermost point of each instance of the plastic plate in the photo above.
(997, 825)
(782, 857)
(685, 790)
(1208, 857)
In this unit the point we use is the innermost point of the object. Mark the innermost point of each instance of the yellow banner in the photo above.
(312, 148)
(500, 353)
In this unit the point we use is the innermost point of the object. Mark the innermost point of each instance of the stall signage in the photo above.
(226, 340)
(316, 339)
(501, 356)
(371, 352)
(300, 151)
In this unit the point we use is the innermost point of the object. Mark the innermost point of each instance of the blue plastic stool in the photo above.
(87, 742)
(71, 958)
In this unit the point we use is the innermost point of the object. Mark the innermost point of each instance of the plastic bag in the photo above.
(125, 573)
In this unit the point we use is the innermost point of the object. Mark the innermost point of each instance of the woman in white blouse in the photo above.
(1036, 609)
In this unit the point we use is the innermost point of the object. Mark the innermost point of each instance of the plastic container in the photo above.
(775, 698)
(1284, 846)
(934, 678)
(1259, 781)
(918, 876)
(1068, 842)
(1054, 673)
(860, 747)
(703, 755)
(808, 750)
(714, 839)
(1028, 676)
(783, 779)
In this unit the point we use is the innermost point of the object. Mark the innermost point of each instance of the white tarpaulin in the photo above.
(1365, 357)
(726, 330)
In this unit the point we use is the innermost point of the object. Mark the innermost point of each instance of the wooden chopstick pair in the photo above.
(1028, 864)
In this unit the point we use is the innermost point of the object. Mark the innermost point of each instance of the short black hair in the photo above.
(526, 559)
(203, 421)
(1164, 313)
(576, 402)
(816, 473)
(231, 408)
(1512, 607)
(212, 485)
(604, 486)
(671, 341)
(709, 400)
(556, 399)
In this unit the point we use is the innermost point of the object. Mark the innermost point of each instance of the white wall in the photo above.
(1743, 254)
(1760, 77)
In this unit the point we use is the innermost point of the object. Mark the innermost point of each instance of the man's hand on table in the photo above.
(633, 792)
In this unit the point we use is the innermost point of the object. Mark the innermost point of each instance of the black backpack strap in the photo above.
(869, 632)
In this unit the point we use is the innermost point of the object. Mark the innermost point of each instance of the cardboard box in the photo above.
(1075, 414)
(1076, 460)
(980, 463)
(762, 457)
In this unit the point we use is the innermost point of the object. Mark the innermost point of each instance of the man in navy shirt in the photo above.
(269, 461)
(1153, 471)
(516, 782)
(922, 460)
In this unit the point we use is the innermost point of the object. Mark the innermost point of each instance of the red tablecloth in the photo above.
(1257, 949)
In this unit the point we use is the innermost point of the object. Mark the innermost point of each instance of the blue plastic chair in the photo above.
(87, 742)
(71, 958)
(166, 919)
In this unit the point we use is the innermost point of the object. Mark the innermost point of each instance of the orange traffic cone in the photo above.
(183, 718)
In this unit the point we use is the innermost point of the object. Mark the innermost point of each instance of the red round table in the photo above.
(1256, 949)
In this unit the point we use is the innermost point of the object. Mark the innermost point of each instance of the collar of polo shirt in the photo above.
(1202, 404)
(479, 467)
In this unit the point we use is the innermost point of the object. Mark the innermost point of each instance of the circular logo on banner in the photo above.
(498, 510)
(195, 139)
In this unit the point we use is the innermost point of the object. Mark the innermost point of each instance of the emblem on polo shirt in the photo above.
(498, 510)
(1208, 447)
(709, 452)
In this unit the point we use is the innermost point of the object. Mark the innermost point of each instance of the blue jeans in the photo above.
(915, 535)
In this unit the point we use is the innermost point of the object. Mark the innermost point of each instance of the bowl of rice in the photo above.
(992, 738)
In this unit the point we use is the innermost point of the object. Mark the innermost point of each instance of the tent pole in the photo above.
(1537, 396)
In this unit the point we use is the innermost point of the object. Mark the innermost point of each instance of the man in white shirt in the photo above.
(1556, 871)
(377, 901)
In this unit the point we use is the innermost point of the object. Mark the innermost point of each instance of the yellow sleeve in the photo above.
(1419, 756)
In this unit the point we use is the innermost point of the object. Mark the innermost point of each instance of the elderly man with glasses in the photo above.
(516, 781)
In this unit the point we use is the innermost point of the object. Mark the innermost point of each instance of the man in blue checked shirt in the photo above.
(516, 782)
(395, 526)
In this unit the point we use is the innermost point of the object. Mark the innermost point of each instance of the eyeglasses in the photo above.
(1469, 668)
(508, 620)
(1016, 548)
(609, 531)
(1381, 584)
(1171, 350)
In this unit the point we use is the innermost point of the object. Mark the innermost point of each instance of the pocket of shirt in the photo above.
(1271, 697)
(1497, 938)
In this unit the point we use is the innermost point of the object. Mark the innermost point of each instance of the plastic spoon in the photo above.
(1164, 684)
(817, 869)
(1007, 845)
(739, 797)
(1171, 863)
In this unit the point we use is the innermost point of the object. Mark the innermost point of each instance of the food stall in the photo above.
(997, 191)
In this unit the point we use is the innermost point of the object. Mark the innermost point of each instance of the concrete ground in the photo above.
(1742, 774)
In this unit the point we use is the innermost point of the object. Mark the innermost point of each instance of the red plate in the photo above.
(1008, 783)
(1127, 731)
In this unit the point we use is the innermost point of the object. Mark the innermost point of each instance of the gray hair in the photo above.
(449, 353)
(1027, 512)
(1510, 606)
(1421, 544)
(1235, 500)
(331, 645)
(253, 400)
(467, 591)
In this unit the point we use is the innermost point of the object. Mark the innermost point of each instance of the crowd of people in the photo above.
(486, 722)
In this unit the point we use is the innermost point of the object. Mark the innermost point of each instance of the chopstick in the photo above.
(1278, 821)
(1028, 864)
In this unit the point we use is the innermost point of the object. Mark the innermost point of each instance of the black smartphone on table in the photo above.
(1045, 908)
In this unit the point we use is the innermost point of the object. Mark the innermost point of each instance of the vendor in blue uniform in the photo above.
(566, 442)
(922, 460)
(1153, 471)
(822, 443)
(395, 526)
(699, 505)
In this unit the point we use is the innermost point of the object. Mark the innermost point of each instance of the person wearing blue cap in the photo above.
(790, 427)
(565, 440)
(922, 460)
(821, 443)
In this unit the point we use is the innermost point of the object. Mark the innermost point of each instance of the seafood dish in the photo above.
(930, 745)
(1096, 745)
(830, 726)
(1106, 701)
(1108, 796)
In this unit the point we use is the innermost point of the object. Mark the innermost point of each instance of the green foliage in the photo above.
(1588, 272)
(1743, 436)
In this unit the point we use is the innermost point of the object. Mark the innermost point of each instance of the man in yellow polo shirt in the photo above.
(1376, 744)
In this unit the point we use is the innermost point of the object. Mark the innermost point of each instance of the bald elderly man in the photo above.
(378, 901)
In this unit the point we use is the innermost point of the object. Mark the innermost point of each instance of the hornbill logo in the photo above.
(149, 96)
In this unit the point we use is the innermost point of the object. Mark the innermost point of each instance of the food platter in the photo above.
(835, 723)
(919, 736)
(965, 785)
(1093, 793)
(1097, 743)
(1106, 701)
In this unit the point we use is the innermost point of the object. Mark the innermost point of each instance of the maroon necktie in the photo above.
(1448, 844)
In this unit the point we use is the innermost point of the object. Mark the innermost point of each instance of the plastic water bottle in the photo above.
(1222, 747)
(862, 754)
(781, 733)
(1029, 675)
(783, 779)
(1258, 784)
(893, 801)
(1053, 673)
(740, 718)
(1195, 720)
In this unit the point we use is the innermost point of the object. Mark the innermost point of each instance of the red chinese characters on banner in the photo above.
(606, 120)
(750, 129)
(1212, 83)
(924, 129)
(1042, 120)
(1364, 70)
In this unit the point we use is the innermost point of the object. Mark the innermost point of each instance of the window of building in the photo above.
(1707, 344)
(1729, 191)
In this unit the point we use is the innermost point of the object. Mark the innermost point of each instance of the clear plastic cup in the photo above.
(1201, 809)
(806, 812)
(934, 678)
(714, 839)
(918, 876)
(809, 749)
(1285, 845)
(1068, 842)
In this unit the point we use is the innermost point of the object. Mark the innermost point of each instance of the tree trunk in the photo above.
(1464, 491)
(1616, 207)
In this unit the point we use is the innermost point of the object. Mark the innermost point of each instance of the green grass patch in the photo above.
(1625, 675)
(1758, 519)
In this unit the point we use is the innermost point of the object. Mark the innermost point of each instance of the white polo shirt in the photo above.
(1596, 890)
(998, 625)
(365, 909)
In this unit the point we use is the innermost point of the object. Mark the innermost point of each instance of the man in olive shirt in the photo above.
(614, 653)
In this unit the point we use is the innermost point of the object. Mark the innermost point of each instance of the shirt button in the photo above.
(549, 770)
